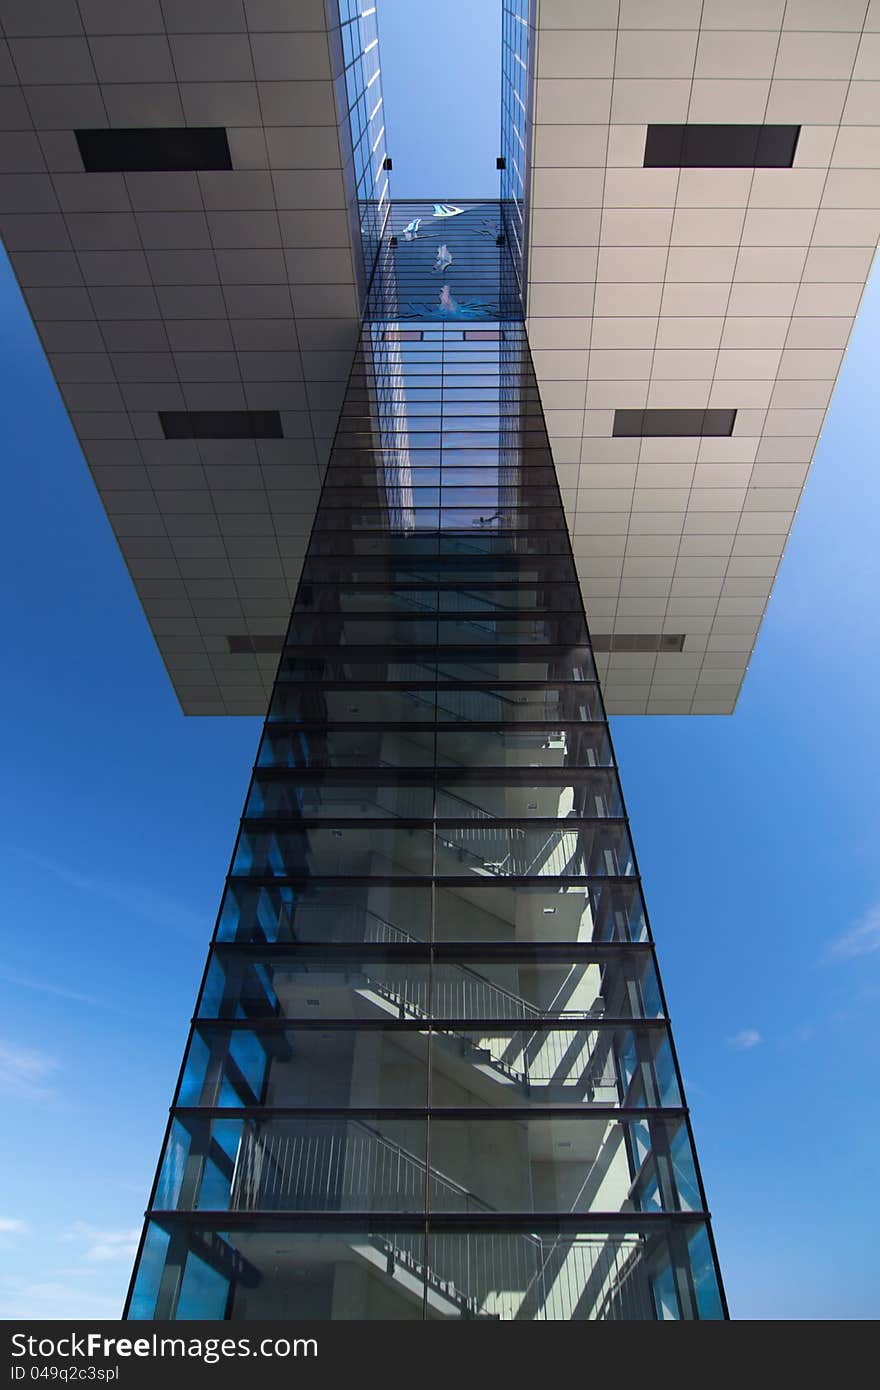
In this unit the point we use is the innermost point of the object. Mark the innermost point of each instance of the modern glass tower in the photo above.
(431, 1073)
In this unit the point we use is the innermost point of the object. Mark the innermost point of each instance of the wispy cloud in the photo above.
(24, 1071)
(133, 898)
(99, 1244)
(10, 1229)
(745, 1040)
(11, 1226)
(11, 1232)
(861, 939)
(46, 987)
(21, 1300)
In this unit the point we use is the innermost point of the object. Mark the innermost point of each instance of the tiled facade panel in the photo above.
(694, 288)
(197, 290)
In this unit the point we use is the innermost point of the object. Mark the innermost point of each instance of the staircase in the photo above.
(575, 1065)
(509, 1276)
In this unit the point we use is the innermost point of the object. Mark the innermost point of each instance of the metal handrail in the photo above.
(397, 934)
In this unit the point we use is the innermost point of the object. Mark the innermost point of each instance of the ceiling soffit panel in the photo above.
(705, 205)
(196, 285)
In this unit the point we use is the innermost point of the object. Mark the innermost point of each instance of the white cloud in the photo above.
(23, 1070)
(100, 1244)
(44, 987)
(745, 1040)
(862, 939)
(10, 1225)
(51, 1300)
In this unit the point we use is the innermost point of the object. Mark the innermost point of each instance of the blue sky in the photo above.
(756, 834)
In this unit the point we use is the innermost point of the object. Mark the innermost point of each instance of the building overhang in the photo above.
(179, 197)
(659, 283)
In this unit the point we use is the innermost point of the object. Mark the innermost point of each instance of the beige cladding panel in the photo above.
(216, 290)
(692, 288)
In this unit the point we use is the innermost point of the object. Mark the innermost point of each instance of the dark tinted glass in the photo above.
(157, 148)
(721, 146)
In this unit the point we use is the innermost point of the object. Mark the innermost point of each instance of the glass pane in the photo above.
(283, 798)
(595, 795)
(323, 747)
(575, 746)
(705, 1279)
(350, 705)
(292, 1275)
(528, 1165)
(313, 1163)
(320, 912)
(524, 1067)
(547, 852)
(352, 852)
(315, 1067)
(377, 986)
(529, 1277)
(501, 912)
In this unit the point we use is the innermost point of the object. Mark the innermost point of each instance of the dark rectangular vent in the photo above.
(221, 424)
(139, 150)
(721, 146)
(243, 642)
(638, 641)
(403, 335)
(482, 335)
(639, 423)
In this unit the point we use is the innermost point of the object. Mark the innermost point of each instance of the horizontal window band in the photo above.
(289, 684)
(498, 1223)
(398, 1112)
(427, 594)
(387, 458)
(154, 149)
(428, 774)
(271, 644)
(572, 775)
(442, 952)
(329, 584)
(593, 882)
(709, 146)
(412, 466)
(562, 824)
(489, 618)
(502, 1027)
(221, 424)
(443, 540)
(531, 524)
(440, 507)
(679, 423)
(283, 728)
(440, 375)
(402, 517)
(589, 776)
(447, 655)
(584, 885)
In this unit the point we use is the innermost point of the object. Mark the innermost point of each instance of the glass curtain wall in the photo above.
(517, 81)
(431, 1073)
